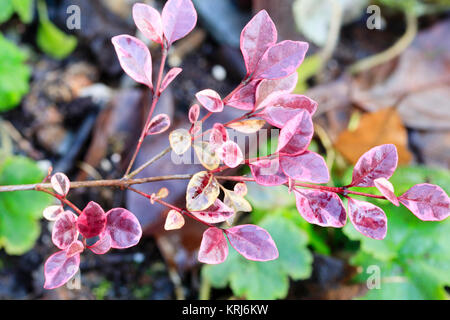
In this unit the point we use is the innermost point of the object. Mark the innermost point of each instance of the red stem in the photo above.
(168, 205)
(156, 95)
(62, 199)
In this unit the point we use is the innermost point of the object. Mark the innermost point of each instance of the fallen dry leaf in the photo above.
(381, 127)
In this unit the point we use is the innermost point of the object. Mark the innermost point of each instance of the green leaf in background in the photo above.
(415, 255)
(310, 67)
(24, 9)
(50, 39)
(14, 74)
(20, 211)
(53, 41)
(6, 10)
(266, 280)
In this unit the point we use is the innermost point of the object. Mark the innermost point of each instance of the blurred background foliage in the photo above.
(65, 101)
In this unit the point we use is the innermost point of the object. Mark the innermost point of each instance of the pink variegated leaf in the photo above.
(247, 126)
(244, 98)
(256, 37)
(240, 189)
(135, 58)
(214, 247)
(268, 172)
(174, 221)
(210, 100)
(123, 227)
(378, 162)
(92, 220)
(281, 60)
(65, 230)
(428, 202)
(367, 218)
(253, 242)
(178, 19)
(60, 183)
(279, 109)
(230, 154)
(216, 213)
(202, 191)
(103, 244)
(158, 124)
(387, 189)
(296, 135)
(77, 247)
(196, 127)
(51, 213)
(218, 136)
(268, 88)
(170, 76)
(321, 207)
(308, 166)
(148, 21)
(59, 269)
(194, 113)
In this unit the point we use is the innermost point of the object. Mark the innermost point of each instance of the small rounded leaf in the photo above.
(77, 247)
(279, 87)
(103, 244)
(296, 135)
(135, 58)
(65, 230)
(178, 18)
(148, 21)
(92, 220)
(180, 141)
(279, 109)
(216, 213)
(427, 201)
(236, 202)
(214, 247)
(244, 97)
(387, 189)
(230, 154)
(247, 126)
(218, 136)
(194, 113)
(240, 189)
(268, 172)
(256, 37)
(281, 60)
(252, 242)
(206, 155)
(162, 193)
(59, 269)
(211, 100)
(51, 213)
(308, 166)
(123, 227)
(367, 218)
(378, 162)
(60, 183)
(170, 76)
(202, 191)
(321, 207)
(158, 124)
(174, 220)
